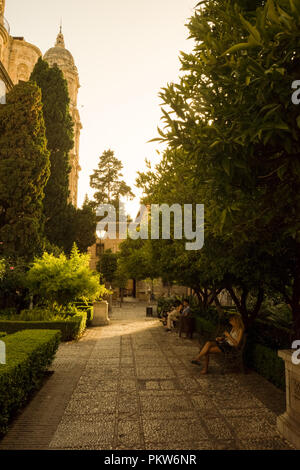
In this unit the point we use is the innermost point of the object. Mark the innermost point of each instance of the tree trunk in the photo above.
(248, 316)
(198, 295)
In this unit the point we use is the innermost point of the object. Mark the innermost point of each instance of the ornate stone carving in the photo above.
(2, 8)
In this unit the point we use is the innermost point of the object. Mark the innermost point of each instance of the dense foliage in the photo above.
(233, 144)
(64, 280)
(24, 172)
(59, 133)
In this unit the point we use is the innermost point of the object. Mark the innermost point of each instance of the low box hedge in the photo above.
(205, 327)
(88, 308)
(71, 329)
(272, 336)
(265, 361)
(28, 355)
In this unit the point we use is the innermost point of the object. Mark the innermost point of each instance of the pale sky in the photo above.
(125, 52)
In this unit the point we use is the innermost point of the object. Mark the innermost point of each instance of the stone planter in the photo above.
(101, 314)
(288, 424)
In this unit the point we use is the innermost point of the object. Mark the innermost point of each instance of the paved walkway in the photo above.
(131, 386)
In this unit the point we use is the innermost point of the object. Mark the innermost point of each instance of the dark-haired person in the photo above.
(221, 344)
(186, 308)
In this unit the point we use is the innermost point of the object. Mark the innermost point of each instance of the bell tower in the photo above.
(63, 58)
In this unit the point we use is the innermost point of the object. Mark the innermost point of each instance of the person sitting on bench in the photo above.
(186, 312)
(174, 315)
(222, 344)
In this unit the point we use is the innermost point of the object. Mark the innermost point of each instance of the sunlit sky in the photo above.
(125, 51)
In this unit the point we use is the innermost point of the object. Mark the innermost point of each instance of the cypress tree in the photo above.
(24, 172)
(60, 137)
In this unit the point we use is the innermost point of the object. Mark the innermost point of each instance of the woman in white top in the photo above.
(221, 344)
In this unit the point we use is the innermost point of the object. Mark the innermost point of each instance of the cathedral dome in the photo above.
(59, 54)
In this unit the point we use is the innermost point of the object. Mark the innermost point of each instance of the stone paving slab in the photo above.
(131, 385)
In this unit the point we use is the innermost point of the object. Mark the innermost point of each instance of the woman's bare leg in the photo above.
(213, 350)
(205, 349)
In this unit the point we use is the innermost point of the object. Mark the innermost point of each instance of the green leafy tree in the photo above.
(107, 181)
(24, 172)
(107, 266)
(85, 226)
(231, 114)
(79, 227)
(59, 280)
(59, 133)
(136, 259)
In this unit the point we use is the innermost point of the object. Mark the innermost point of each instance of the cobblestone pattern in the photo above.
(131, 386)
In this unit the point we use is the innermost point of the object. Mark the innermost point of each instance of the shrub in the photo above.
(37, 314)
(71, 328)
(270, 335)
(61, 280)
(28, 354)
(205, 327)
(267, 363)
(165, 304)
(2, 334)
(88, 308)
(5, 312)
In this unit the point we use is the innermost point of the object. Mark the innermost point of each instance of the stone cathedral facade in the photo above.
(17, 60)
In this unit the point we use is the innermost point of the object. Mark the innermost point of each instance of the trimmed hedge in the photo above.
(71, 329)
(205, 327)
(266, 363)
(88, 308)
(272, 336)
(28, 355)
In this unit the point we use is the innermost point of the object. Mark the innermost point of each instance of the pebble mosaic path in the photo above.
(131, 385)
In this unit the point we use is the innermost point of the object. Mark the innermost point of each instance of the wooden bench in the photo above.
(234, 357)
(187, 325)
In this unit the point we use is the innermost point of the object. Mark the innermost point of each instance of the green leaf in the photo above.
(272, 13)
(239, 47)
(227, 167)
(252, 29)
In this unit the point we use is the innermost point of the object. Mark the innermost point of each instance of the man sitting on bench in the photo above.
(174, 315)
(222, 344)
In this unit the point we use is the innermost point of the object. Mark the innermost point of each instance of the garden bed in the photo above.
(71, 329)
(28, 355)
